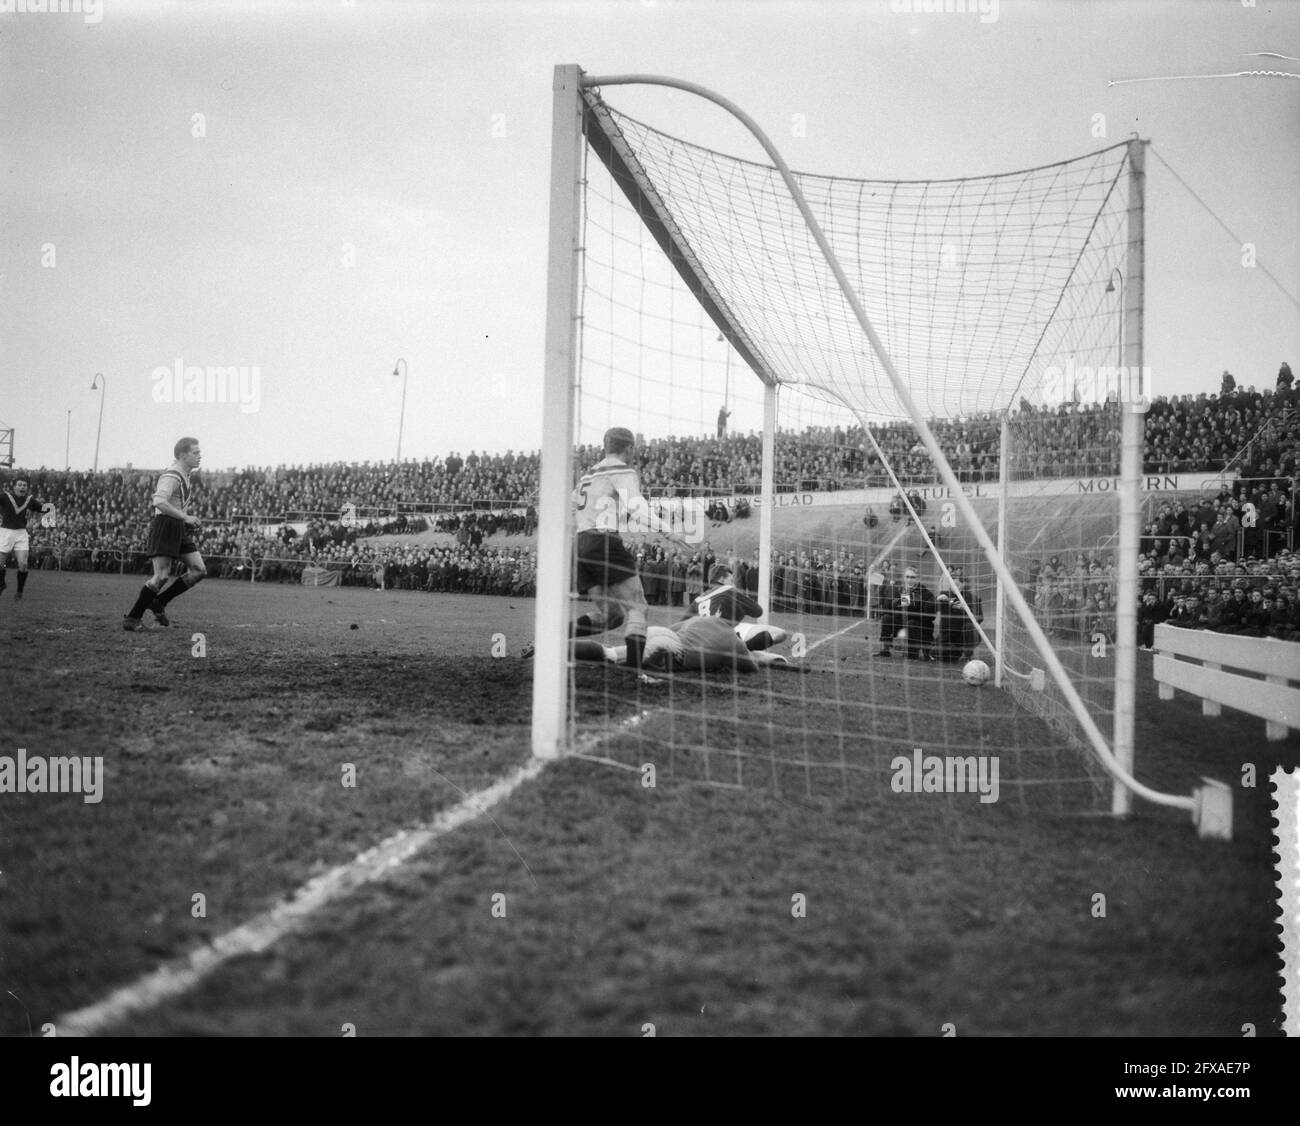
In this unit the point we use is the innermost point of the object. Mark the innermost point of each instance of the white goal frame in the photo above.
(572, 114)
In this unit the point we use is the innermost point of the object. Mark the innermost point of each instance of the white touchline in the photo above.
(880, 558)
(833, 636)
(585, 745)
(262, 931)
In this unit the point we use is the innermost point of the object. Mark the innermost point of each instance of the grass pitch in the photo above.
(587, 903)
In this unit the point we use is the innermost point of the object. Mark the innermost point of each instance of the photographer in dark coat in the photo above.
(908, 617)
(956, 632)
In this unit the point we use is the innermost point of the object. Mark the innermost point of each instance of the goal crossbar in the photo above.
(608, 143)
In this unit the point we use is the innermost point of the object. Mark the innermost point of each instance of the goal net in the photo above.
(849, 392)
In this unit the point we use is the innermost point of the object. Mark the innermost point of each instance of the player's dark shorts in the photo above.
(602, 561)
(169, 536)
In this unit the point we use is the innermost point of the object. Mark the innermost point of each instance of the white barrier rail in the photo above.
(1274, 699)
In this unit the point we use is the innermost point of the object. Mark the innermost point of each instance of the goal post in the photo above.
(1023, 299)
(1000, 613)
(554, 565)
(1132, 291)
(766, 496)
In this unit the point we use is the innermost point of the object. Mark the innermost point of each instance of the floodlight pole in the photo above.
(400, 368)
(103, 394)
(726, 382)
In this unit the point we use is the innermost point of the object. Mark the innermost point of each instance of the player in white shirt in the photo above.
(607, 574)
(172, 535)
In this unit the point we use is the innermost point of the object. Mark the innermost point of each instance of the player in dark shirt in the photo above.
(16, 504)
(701, 643)
(955, 635)
(712, 636)
(725, 600)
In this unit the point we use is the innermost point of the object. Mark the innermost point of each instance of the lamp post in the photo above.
(1110, 288)
(726, 386)
(67, 443)
(401, 369)
(102, 383)
(726, 393)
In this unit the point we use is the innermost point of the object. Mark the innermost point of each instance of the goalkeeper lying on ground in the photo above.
(712, 636)
(732, 605)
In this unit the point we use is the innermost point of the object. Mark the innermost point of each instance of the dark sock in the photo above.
(590, 624)
(22, 581)
(585, 627)
(635, 649)
(176, 589)
(588, 651)
(142, 602)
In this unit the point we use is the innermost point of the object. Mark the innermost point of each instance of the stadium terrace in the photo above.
(277, 524)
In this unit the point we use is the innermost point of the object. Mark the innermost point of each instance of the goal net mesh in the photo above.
(699, 280)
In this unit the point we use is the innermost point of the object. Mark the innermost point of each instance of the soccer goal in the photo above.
(843, 389)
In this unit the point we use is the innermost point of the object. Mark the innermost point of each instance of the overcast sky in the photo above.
(413, 140)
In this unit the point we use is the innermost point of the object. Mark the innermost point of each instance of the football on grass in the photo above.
(976, 673)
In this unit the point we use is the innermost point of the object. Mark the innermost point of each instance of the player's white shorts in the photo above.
(13, 539)
(747, 630)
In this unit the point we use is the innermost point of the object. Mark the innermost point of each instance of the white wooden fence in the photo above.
(1198, 662)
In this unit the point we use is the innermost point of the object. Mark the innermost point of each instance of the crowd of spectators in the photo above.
(803, 581)
(1249, 521)
(1199, 433)
(248, 553)
(1259, 598)
(1074, 597)
(103, 517)
(475, 524)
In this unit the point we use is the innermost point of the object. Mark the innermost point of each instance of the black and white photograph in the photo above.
(650, 518)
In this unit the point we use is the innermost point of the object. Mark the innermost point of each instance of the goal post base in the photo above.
(1212, 813)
